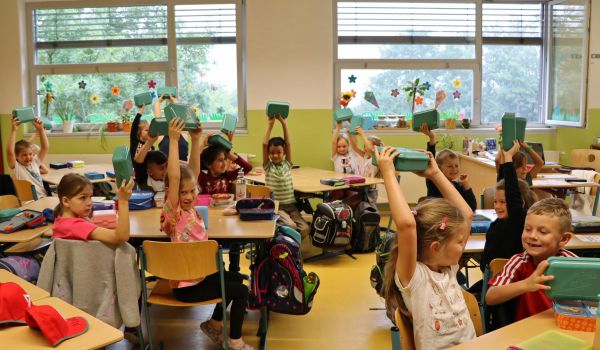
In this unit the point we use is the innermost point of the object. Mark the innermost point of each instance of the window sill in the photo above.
(459, 131)
(243, 132)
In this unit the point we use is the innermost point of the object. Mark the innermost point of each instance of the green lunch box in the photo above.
(122, 164)
(407, 160)
(281, 108)
(185, 112)
(143, 99)
(343, 114)
(364, 121)
(430, 117)
(221, 141)
(24, 114)
(229, 123)
(574, 278)
(159, 126)
(513, 128)
(166, 91)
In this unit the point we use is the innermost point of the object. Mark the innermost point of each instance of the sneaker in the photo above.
(243, 346)
(214, 335)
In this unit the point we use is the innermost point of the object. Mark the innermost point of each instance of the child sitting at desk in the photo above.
(520, 164)
(156, 167)
(545, 234)
(163, 145)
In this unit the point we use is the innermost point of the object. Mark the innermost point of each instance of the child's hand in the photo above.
(175, 128)
(424, 129)
(524, 145)
(141, 109)
(537, 278)
(432, 168)
(512, 151)
(15, 123)
(271, 122)
(161, 98)
(173, 99)
(464, 180)
(195, 134)
(385, 159)
(124, 192)
(280, 118)
(230, 136)
(338, 125)
(38, 124)
(359, 130)
(152, 139)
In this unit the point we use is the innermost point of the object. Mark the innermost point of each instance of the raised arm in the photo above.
(10, 144)
(265, 144)
(175, 128)
(286, 138)
(538, 162)
(354, 145)
(140, 155)
(156, 108)
(425, 130)
(121, 233)
(368, 145)
(194, 160)
(334, 138)
(44, 144)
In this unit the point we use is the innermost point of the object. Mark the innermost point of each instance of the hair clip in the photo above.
(414, 211)
(443, 223)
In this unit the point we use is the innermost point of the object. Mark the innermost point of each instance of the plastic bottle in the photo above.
(596, 344)
(240, 186)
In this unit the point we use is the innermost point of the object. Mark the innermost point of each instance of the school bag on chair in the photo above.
(382, 254)
(332, 225)
(26, 267)
(365, 231)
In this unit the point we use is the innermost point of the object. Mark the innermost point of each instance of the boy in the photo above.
(277, 160)
(156, 166)
(22, 158)
(546, 232)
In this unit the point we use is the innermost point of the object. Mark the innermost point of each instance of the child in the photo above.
(520, 164)
(421, 272)
(366, 167)
(448, 163)
(546, 233)
(345, 160)
(163, 145)
(75, 207)
(156, 166)
(140, 143)
(20, 156)
(511, 201)
(277, 160)
(36, 150)
(182, 223)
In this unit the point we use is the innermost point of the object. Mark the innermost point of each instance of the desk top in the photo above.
(28, 235)
(35, 292)
(491, 163)
(54, 175)
(560, 183)
(98, 335)
(518, 332)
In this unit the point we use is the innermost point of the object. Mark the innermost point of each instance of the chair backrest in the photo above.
(474, 312)
(487, 198)
(497, 265)
(9, 201)
(407, 336)
(494, 267)
(181, 261)
(586, 158)
(259, 191)
(25, 190)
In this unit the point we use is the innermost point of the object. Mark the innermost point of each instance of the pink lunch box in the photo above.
(105, 218)
(354, 179)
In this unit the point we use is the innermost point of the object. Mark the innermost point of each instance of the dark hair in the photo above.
(21, 145)
(528, 197)
(70, 185)
(156, 157)
(519, 160)
(276, 141)
(210, 154)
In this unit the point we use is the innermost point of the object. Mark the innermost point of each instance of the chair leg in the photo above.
(223, 299)
(395, 332)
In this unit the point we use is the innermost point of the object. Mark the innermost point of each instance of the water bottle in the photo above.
(240, 186)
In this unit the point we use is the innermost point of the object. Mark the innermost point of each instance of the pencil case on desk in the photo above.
(75, 164)
(105, 218)
(251, 209)
(93, 175)
(58, 165)
(354, 179)
(332, 182)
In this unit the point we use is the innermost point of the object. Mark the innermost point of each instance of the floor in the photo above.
(347, 314)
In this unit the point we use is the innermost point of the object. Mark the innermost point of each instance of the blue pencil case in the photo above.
(93, 175)
(139, 200)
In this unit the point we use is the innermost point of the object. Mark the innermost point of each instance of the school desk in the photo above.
(518, 332)
(9, 239)
(35, 292)
(54, 175)
(98, 335)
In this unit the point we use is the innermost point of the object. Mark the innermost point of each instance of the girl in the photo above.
(73, 211)
(163, 145)
(345, 160)
(139, 145)
(520, 164)
(448, 163)
(420, 276)
(182, 223)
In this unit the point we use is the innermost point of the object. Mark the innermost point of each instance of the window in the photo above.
(90, 59)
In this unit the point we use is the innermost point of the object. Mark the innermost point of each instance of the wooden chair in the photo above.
(494, 267)
(175, 261)
(25, 190)
(9, 201)
(586, 158)
(487, 198)
(259, 191)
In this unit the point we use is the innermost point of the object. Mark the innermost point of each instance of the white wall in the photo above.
(13, 74)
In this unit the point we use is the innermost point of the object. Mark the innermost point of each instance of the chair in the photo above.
(586, 158)
(259, 191)
(176, 261)
(493, 268)
(407, 336)
(487, 198)
(9, 201)
(25, 190)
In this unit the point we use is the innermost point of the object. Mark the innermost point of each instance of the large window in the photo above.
(86, 61)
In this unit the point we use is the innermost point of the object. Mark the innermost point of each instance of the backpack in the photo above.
(331, 225)
(26, 267)
(382, 253)
(278, 280)
(365, 231)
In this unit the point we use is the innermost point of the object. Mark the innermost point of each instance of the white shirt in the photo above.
(347, 164)
(156, 185)
(32, 174)
(439, 312)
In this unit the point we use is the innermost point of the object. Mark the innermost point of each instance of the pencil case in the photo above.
(229, 123)
(75, 164)
(122, 164)
(513, 128)
(110, 173)
(8, 213)
(26, 219)
(105, 218)
(143, 99)
(575, 315)
(220, 141)
(574, 278)
(430, 117)
(58, 165)
(343, 114)
(139, 200)
(332, 182)
(24, 114)
(100, 206)
(159, 126)
(354, 179)
(407, 160)
(93, 175)
(166, 91)
(251, 209)
(183, 111)
(281, 108)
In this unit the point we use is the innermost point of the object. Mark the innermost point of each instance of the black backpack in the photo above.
(332, 225)
(365, 232)
(382, 253)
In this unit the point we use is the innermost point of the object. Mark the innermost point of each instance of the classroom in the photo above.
(268, 165)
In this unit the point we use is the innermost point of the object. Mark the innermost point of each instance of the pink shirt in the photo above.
(72, 228)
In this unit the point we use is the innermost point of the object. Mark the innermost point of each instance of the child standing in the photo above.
(22, 158)
(420, 276)
(182, 223)
(545, 234)
(277, 160)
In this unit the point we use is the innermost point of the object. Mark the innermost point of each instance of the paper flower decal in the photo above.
(346, 97)
(82, 85)
(370, 97)
(115, 90)
(220, 110)
(48, 85)
(456, 94)
(153, 94)
(94, 98)
(419, 100)
(151, 84)
(457, 83)
(427, 86)
(352, 79)
(196, 110)
(395, 92)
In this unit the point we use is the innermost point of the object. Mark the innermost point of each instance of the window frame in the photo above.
(168, 67)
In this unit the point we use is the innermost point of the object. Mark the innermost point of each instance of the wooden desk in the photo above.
(35, 292)
(518, 332)
(27, 235)
(54, 175)
(98, 335)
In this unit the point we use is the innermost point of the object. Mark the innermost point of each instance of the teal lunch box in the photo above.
(430, 117)
(185, 112)
(159, 126)
(281, 108)
(343, 114)
(24, 114)
(143, 99)
(221, 141)
(513, 128)
(364, 121)
(574, 278)
(166, 91)
(229, 123)
(407, 160)
(122, 164)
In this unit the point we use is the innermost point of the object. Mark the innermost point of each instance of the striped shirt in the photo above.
(279, 178)
(520, 267)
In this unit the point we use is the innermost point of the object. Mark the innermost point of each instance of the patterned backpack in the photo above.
(332, 225)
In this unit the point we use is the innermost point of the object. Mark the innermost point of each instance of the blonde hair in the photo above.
(430, 214)
(444, 155)
(553, 207)
(528, 197)
(143, 124)
(186, 174)
(344, 137)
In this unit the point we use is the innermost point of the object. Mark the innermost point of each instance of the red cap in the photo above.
(53, 326)
(13, 303)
